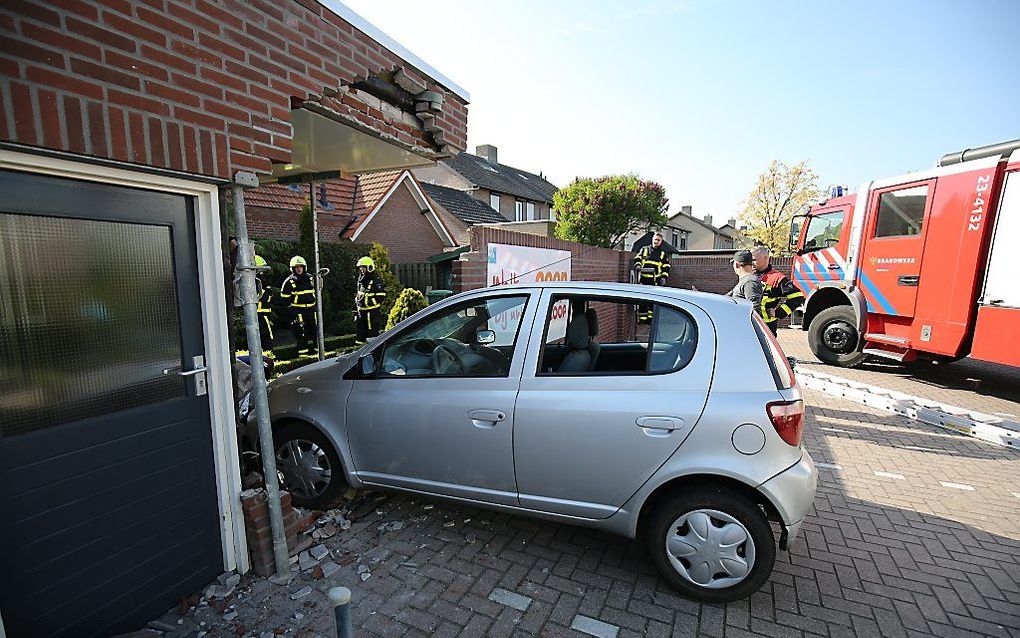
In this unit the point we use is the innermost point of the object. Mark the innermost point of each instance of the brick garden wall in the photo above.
(203, 86)
(712, 273)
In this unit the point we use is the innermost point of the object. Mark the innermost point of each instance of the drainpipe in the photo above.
(319, 340)
(249, 299)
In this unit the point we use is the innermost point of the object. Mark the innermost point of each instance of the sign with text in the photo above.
(524, 265)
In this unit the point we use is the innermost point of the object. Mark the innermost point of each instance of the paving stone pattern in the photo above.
(878, 556)
(968, 383)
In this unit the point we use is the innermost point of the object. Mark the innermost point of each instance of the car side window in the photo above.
(589, 335)
(473, 339)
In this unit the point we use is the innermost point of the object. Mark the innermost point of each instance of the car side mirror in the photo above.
(367, 364)
(485, 336)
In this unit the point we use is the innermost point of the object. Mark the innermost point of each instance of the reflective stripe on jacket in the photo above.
(298, 291)
(653, 264)
(780, 296)
(371, 292)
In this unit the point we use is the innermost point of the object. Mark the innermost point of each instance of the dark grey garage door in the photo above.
(108, 510)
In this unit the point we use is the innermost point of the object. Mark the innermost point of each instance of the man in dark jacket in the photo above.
(368, 300)
(748, 285)
(780, 296)
(652, 266)
(298, 292)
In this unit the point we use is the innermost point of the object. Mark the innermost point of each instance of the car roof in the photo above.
(706, 300)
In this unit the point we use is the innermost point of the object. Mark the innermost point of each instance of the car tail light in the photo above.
(788, 419)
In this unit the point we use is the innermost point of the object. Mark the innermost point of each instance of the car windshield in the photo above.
(823, 231)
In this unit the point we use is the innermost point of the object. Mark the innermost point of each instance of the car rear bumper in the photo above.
(792, 491)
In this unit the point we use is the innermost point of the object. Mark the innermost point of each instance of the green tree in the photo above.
(384, 268)
(781, 192)
(602, 211)
(409, 302)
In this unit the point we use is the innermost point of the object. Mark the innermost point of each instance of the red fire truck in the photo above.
(917, 267)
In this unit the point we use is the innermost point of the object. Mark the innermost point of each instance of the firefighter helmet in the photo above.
(367, 262)
(297, 260)
(260, 262)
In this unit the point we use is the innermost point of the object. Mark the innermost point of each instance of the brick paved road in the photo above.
(915, 532)
(974, 385)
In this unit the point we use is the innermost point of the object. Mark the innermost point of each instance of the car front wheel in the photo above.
(715, 547)
(309, 466)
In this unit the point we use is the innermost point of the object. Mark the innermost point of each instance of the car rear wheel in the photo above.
(834, 338)
(714, 547)
(309, 466)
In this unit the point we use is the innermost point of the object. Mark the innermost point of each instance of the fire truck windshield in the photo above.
(823, 231)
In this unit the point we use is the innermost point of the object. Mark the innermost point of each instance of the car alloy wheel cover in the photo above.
(710, 549)
(305, 468)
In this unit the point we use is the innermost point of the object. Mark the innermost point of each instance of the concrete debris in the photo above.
(449, 524)
(319, 552)
(366, 576)
(276, 579)
(471, 538)
(428, 507)
(329, 568)
(230, 616)
(229, 579)
(303, 542)
(392, 526)
(301, 593)
(307, 561)
(328, 530)
(322, 520)
(363, 568)
(298, 615)
(343, 523)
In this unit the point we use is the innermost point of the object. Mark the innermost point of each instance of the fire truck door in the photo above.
(894, 244)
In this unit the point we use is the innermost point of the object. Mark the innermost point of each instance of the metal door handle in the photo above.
(185, 373)
(833, 266)
(660, 422)
(908, 280)
(197, 385)
(487, 416)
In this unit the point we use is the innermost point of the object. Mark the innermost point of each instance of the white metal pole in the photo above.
(249, 300)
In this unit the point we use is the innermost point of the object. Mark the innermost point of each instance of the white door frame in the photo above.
(214, 323)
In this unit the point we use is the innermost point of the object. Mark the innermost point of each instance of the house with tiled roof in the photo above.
(460, 211)
(685, 231)
(516, 194)
(388, 207)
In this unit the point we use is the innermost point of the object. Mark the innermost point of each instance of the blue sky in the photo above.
(700, 96)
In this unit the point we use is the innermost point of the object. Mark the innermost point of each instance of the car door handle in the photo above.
(660, 422)
(486, 418)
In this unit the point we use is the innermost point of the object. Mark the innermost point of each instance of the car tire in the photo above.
(740, 539)
(309, 466)
(834, 338)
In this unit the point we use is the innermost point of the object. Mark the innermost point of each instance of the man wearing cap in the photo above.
(748, 285)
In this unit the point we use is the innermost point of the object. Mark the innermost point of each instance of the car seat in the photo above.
(594, 347)
(578, 359)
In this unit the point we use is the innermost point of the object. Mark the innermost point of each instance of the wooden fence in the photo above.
(421, 275)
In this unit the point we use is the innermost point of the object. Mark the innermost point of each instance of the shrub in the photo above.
(602, 211)
(409, 302)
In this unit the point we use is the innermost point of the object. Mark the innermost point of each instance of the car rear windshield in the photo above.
(780, 366)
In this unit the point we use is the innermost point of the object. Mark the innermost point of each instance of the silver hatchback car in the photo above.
(652, 412)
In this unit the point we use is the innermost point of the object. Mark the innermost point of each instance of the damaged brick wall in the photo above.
(259, 532)
(202, 86)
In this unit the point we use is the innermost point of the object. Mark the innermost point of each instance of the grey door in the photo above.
(438, 417)
(108, 511)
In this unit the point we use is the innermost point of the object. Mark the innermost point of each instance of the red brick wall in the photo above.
(402, 229)
(204, 86)
(712, 273)
(587, 262)
(277, 223)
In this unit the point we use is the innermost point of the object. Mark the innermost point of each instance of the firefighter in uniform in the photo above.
(780, 296)
(264, 309)
(298, 292)
(652, 266)
(368, 300)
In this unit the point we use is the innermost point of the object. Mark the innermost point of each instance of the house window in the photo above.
(683, 242)
(676, 239)
(494, 201)
(519, 211)
(531, 211)
(552, 214)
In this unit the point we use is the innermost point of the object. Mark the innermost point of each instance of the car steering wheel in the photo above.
(443, 357)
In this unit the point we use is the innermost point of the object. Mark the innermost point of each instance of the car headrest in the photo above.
(577, 332)
(593, 322)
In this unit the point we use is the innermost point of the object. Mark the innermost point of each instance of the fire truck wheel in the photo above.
(834, 338)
